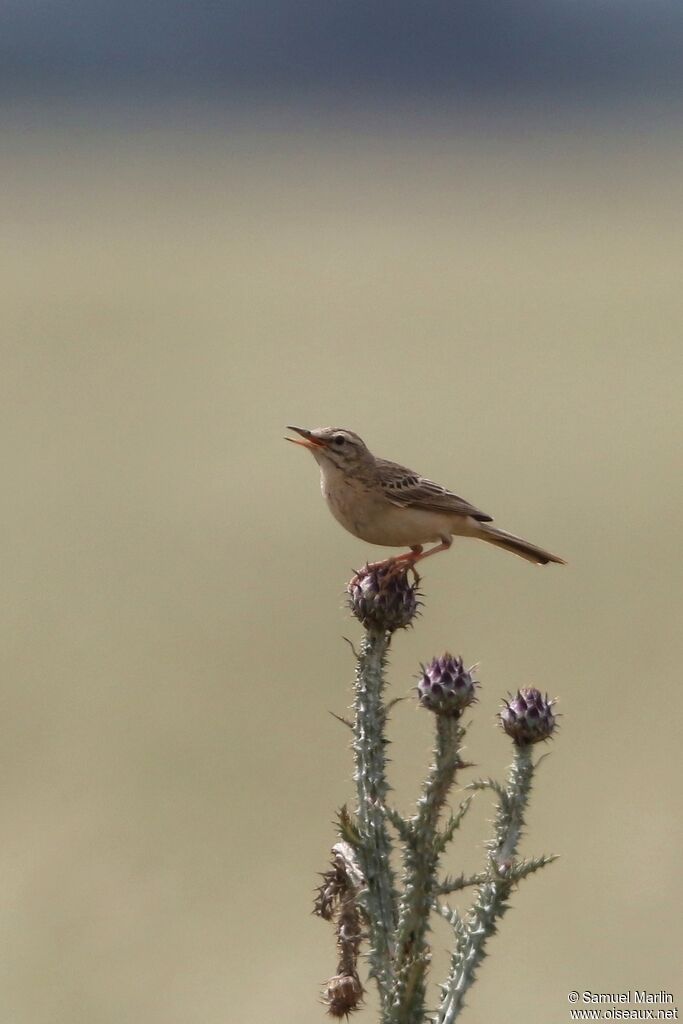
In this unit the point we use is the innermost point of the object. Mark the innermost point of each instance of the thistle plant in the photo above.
(385, 883)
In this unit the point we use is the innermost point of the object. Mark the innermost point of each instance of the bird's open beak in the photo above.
(308, 440)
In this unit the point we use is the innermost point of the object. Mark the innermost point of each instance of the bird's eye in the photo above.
(339, 439)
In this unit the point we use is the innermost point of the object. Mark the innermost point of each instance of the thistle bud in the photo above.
(343, 994)
(528, 716)
(446, 687)
(382, 598)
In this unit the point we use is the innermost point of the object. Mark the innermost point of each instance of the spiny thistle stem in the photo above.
(510, 813)
(491, 897)
(374, 851)
(420, 861)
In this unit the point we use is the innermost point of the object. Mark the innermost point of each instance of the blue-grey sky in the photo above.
(471, 47)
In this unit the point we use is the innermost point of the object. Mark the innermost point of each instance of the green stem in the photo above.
(510, 816)
(491, 899)
(374, 852)
(421, 858)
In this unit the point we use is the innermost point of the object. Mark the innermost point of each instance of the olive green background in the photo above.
(494, 300)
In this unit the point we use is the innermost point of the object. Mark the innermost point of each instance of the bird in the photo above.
(385, 503)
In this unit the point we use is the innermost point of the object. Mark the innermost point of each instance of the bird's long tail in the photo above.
(518, 546)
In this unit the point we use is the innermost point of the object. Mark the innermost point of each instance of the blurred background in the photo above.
(454, 228)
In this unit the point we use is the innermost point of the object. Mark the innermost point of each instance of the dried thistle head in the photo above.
(528, 716)
(337, 901)
(343, 994)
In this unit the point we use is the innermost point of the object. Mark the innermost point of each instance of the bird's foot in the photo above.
(389, 568)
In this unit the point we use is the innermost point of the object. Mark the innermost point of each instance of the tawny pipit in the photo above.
(384, 503)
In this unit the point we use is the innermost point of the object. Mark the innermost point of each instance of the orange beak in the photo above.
(308, 440)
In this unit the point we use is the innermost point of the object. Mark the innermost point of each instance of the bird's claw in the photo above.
(389, 568)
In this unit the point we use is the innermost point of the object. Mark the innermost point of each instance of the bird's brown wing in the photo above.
(404, 488)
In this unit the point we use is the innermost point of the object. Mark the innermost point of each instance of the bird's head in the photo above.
(334, 446)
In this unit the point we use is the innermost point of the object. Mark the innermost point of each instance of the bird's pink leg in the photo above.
(407, 556)
(417, 556)
(410, 558)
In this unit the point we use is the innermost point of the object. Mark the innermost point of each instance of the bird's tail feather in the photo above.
(509, 542)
